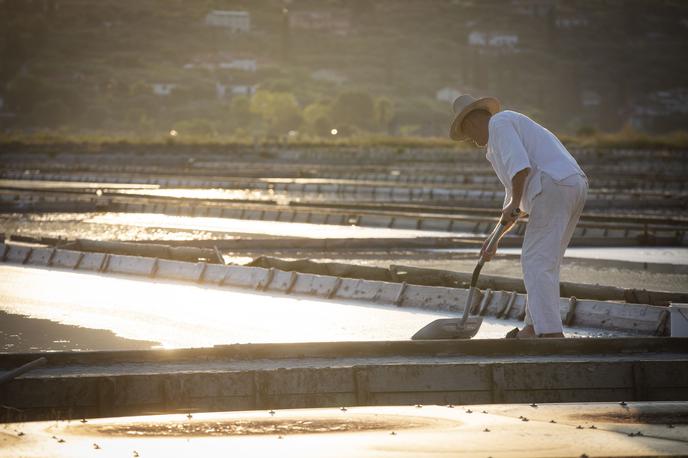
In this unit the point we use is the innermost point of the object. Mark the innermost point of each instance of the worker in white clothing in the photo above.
(541, 179)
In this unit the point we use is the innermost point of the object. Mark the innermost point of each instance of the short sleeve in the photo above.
(508, 144)
(507, 197)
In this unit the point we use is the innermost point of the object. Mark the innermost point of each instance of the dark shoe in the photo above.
(553, 335)
(511, 334)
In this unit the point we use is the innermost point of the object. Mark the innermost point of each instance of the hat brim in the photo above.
(489, 104)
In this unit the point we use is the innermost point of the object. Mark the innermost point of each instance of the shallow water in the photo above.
(50, 184)
(186, 315)
(152, 226)
(284, 197)
(669, 255)
(274, 228)
(210, 194)
(666, 255)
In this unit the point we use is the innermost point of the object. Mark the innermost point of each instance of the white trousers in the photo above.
(554, 214)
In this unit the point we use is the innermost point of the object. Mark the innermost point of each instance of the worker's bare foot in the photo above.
(528, 332)
(552, 334)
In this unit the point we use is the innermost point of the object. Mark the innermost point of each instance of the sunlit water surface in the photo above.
(274, 228)
(280, 196)
(185, 315)
(209, 193)
(52, 184)
(667, 255)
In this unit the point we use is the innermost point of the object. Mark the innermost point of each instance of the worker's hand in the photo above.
(487, 255)
(510, 213)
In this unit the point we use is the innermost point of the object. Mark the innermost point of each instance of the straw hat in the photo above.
(463, 105)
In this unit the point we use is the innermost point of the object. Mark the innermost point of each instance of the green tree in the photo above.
(279, 110)
(195, 126)
(354, 108)
(240, 111)
(317, 119)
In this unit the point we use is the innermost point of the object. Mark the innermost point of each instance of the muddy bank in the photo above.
(20, 333)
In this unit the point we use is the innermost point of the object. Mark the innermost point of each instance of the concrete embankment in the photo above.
(271, 376)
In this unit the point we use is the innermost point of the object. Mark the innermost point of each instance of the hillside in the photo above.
(312, 66)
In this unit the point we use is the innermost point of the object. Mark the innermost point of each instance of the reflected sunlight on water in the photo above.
(52, 184)
(669, 255)
(211, 194)
(185, 315)
(276, 228)
(281, 197)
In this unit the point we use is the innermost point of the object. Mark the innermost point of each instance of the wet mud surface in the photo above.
(259, 426)
(19, 333)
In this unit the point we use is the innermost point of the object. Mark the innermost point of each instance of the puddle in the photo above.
(260, 426)
(634, 416)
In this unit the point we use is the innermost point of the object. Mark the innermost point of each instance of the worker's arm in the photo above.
(518, 184)
(509, 213)
(508, 144)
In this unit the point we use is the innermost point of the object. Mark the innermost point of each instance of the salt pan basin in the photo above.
(179, 315)
(535, 431)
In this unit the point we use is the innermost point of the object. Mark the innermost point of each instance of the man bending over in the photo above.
(541, 179)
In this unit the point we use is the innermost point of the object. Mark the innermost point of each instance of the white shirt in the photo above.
(516, 142)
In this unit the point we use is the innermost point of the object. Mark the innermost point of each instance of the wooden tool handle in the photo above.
(497, 233)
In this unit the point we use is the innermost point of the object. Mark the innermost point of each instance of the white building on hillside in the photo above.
(476, 38)
(243, 89)
(325, 74)
(499, 41)
(447, 94)
(333, 21)
(248, 65)
(571, 22)
(496, 40)
(532, 8)
(235, 21)
(220, 90)
(163, 88)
